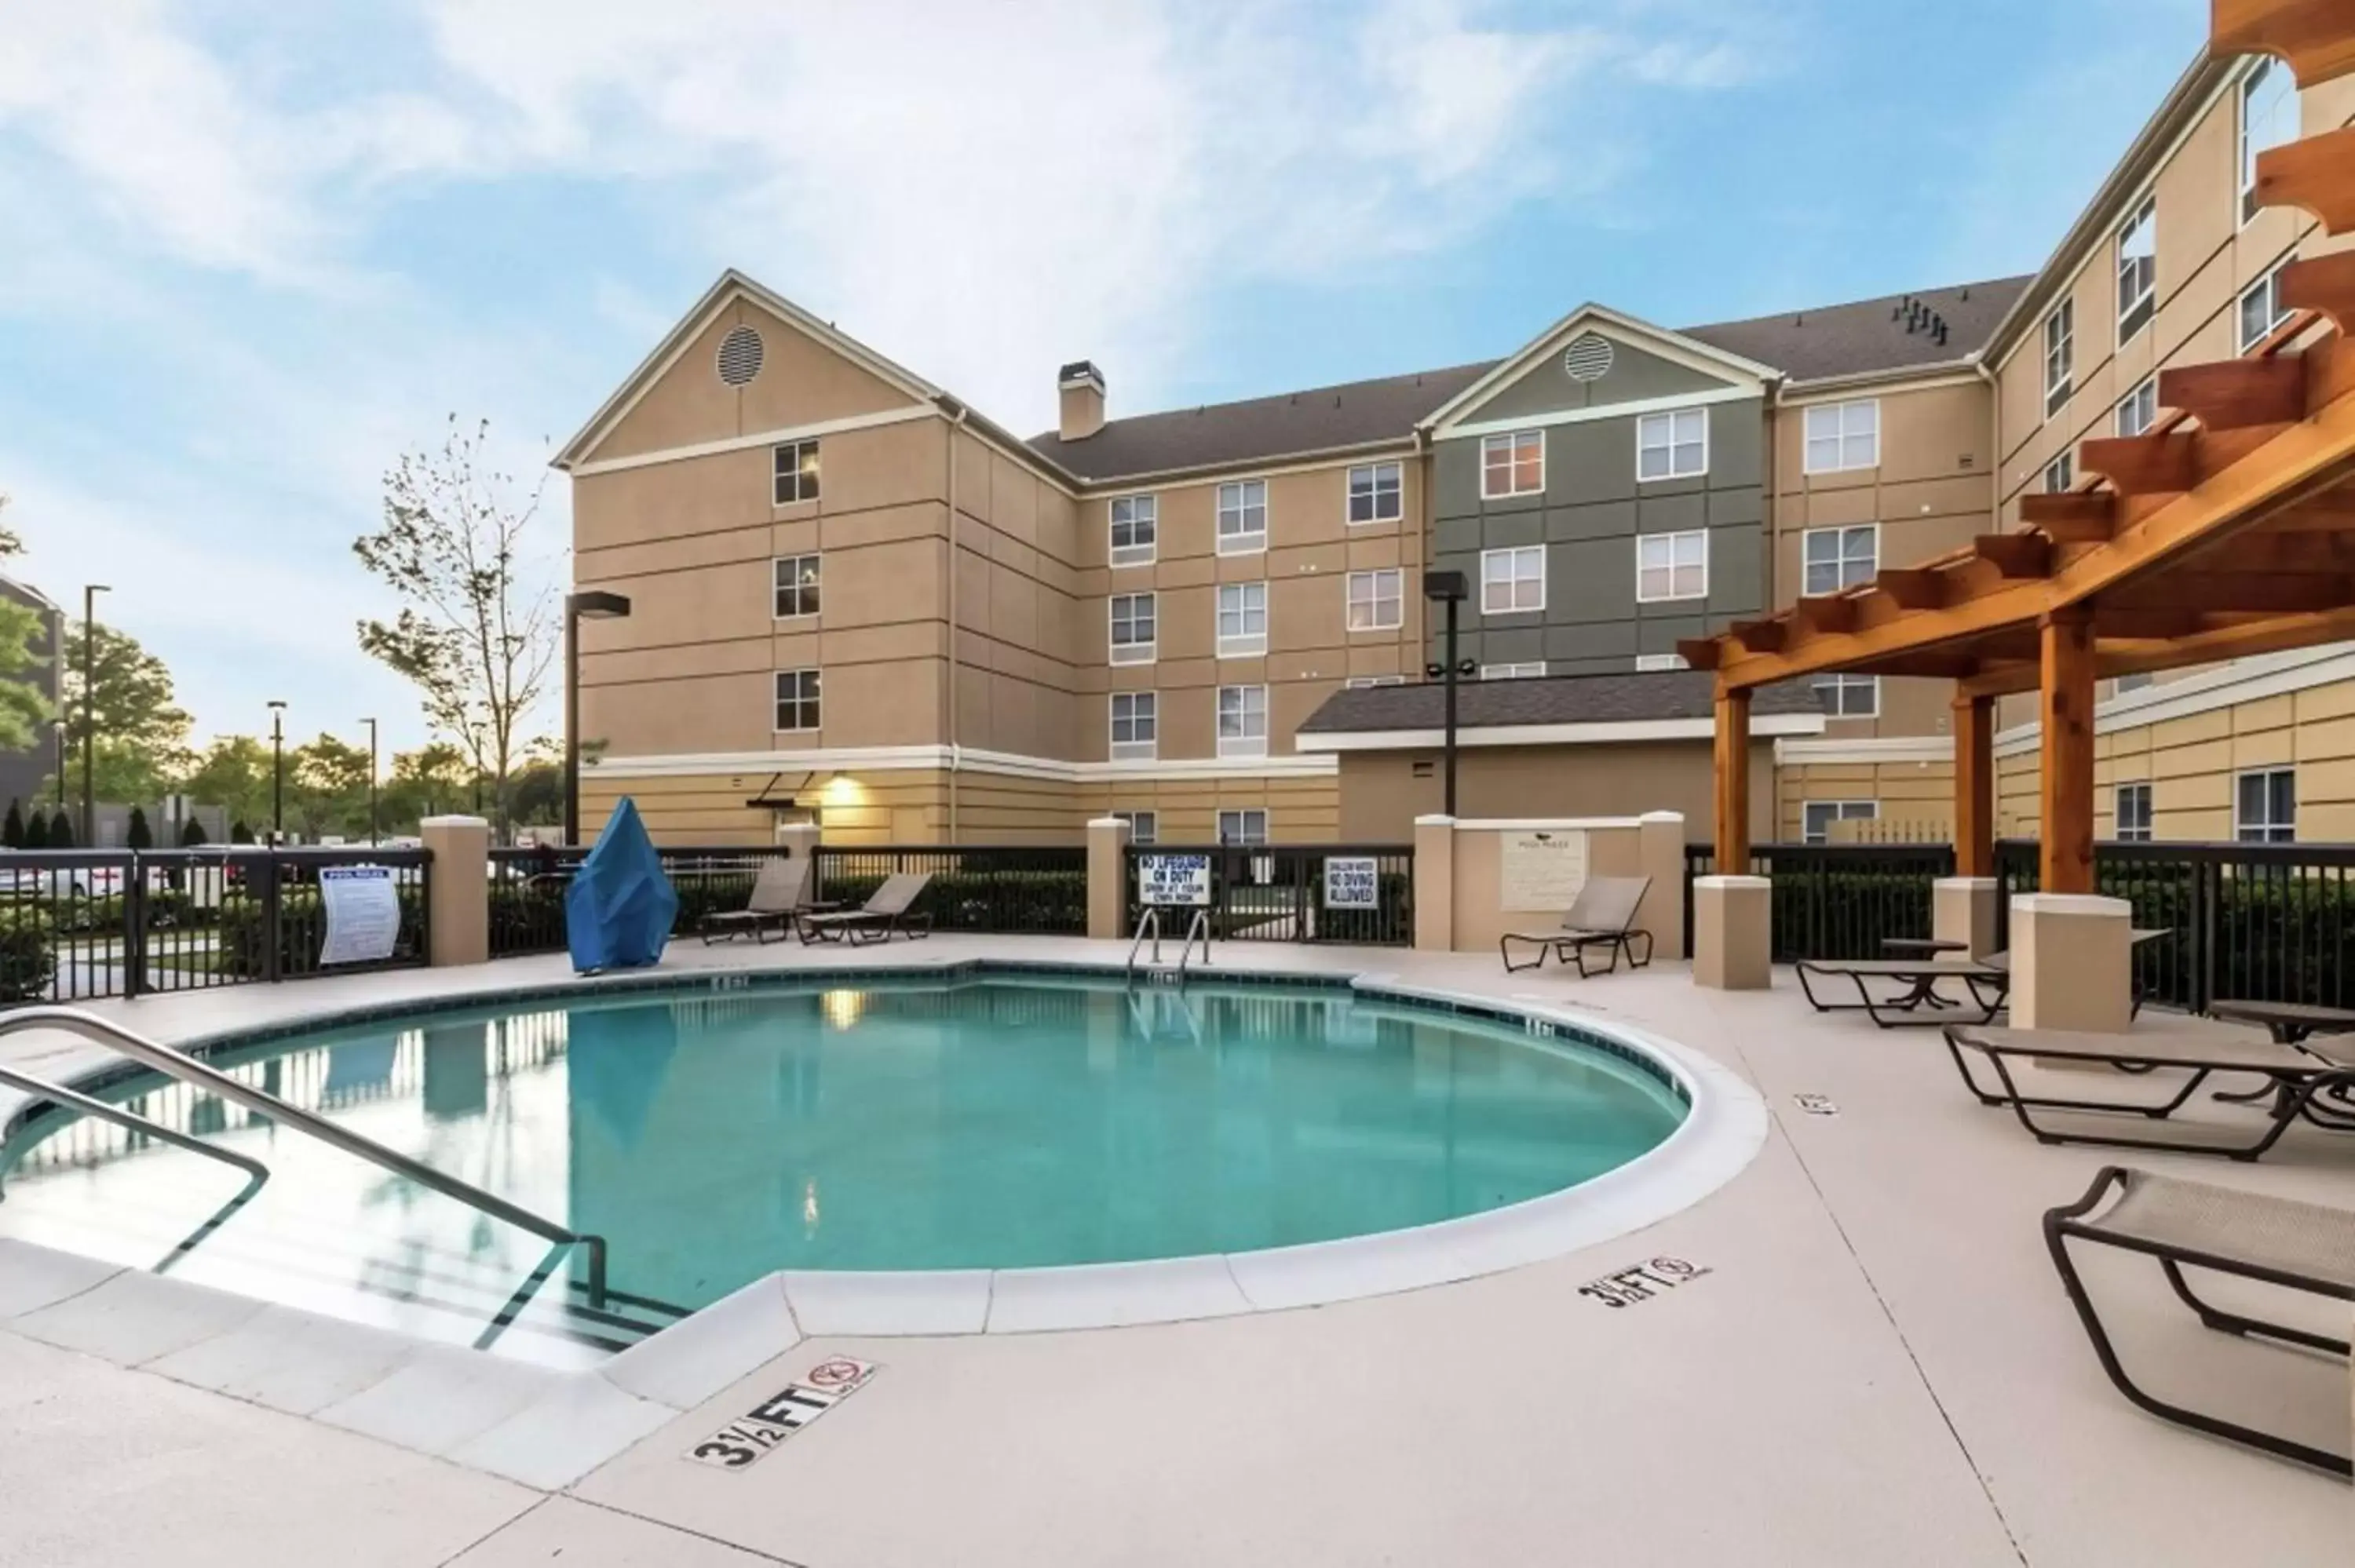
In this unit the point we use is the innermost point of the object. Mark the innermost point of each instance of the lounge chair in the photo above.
(1602, 915)
(2280, 1242)
(1988, 980)
(2296, 1079)
(890, 912)
(780, 892)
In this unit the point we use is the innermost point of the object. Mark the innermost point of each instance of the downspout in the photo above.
(957, 752)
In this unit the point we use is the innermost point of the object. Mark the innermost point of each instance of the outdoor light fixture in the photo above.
(591, 604)
(372, 831)
(1449, 589)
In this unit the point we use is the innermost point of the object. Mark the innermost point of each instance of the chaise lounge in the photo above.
(890, 912)
(1602, 915)
(1987, 979)
(780, 892)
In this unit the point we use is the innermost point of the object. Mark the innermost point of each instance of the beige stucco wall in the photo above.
(1478, 881)
(1381, 792)
(1916, 798)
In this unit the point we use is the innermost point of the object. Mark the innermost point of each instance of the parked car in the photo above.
(22, 880)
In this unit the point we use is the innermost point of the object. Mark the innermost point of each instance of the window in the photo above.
(1136, 530)
(1836, 558)
(1844, 435)
(2268, 118)
(2262, 310)
(796, 583)
(1512, 464)
(1672, 566)
(2137, 270)
(1354, 682)
(2133, 683)
(2134, 813)
(1376, 494)
(1144, 827)
(1242, 517)
(1242, 619)
(1136, 725)
(1242, 721)
(2139, 409)
(1527, 670)
(1132, 629)
(796, 473)
(2265, 806)
(2060, 473)
(1512, 582)
(1672, 446)
(1817, 817)
(1377, 601)
(2059, 354)
(1246, 826)
(1848, 696)
(797, 699)
(1661, 662)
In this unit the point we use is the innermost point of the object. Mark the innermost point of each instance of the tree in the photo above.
(192, 833)
(136, 834)
(143, 734)
(12, 828)
(23, 707)
(330, 792)
(36, 830)
(473, 636)
(62, 831)
(233, 774)
(239, 833)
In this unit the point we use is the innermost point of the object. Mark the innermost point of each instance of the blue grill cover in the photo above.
(618, 911)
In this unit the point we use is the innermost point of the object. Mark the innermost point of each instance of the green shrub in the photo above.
(27, 953)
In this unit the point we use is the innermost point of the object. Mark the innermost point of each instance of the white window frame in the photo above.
(1378, 593)
(1522, 669)
(2139, 833)
(1235, 499)
(1240, 742)
(2137, 311)
(1385, 483)
(2137, 411)
(1133, 653)
(1248, 599)
(808, 594)
(1667, 420)
(1840, 416)
(1510, 443)
(1841, 537)
(2282, 85)
(2061, 474)
(1847, 684)
(1144, 708)
(1355, 682)
(1650, 662)
(800, 478)
(1144, 827)
(1144, 513)
(1841, 811)
(1516, 557)
(1241, 817)
(814, 700)
(1645, 544)
(2268, 832)
(2060, 356)
(2270, 286)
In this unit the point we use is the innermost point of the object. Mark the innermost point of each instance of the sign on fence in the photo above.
(1350, 883)
(363, 914)
(1542, 870)
(1164, 881)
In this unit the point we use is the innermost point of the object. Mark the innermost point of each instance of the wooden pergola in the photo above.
(2226, 529)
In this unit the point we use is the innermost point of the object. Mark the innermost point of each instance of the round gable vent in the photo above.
(740, 356)
(1587, 358)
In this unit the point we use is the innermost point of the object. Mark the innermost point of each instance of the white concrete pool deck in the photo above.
(1879, 1368)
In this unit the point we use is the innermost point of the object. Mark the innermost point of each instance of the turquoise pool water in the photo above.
(1004, 1121)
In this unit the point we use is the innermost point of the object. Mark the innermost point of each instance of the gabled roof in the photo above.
(1632, 697)
(1871, 336)
(1698, 355)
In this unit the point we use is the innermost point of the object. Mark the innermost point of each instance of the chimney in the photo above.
(1082, 389)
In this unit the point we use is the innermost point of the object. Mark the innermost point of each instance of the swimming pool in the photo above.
(983, 1121)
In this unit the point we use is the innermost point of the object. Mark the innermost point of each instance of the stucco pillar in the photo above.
(800, 839)
(1435, 883)
(1660, 849)
(458, 890)
(1107, 877)
(1733, 933)
(2072, 960)
(1963, 909)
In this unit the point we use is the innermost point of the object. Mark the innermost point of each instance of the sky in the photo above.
(250, 252)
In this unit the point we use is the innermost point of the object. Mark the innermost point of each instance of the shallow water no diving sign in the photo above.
(752, 1434)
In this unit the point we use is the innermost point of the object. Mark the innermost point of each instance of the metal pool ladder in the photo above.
(159, 1057)
(1150, 925)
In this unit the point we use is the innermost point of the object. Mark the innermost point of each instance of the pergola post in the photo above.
(1733, 911)
(1733, 780)
(2066, 698)
(1963, 906)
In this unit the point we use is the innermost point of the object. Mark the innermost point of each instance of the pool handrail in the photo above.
(74, 1099)
(159, 1057)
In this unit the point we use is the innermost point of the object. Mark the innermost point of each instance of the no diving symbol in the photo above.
(839, 1374)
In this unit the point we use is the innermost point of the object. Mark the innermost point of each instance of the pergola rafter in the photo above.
(2226, 529)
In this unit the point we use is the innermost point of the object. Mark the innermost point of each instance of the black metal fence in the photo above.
(76, 925)
(1358, 894)
(1836, 901)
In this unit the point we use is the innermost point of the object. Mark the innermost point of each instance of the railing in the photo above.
(1034, 892)
(1296, 893)
(76, 925)
(1838, 901)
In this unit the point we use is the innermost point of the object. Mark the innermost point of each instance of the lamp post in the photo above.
(1449, 589)
(277, 772)
(594, 605)
(371, 724)
(89, 696)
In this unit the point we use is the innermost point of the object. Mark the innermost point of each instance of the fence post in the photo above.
(1435, 883)
(272, 955)
(457, 890)
(1107, 874)
(134, 928)
(1660, 850)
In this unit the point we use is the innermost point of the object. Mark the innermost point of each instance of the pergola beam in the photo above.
(2072, 516)
(2015, 554)
(2317, 174)
(2325, 283)
(1911, 587)
(2311, 35)
(2233, 394)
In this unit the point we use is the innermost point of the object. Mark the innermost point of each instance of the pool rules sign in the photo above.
(363, 914)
